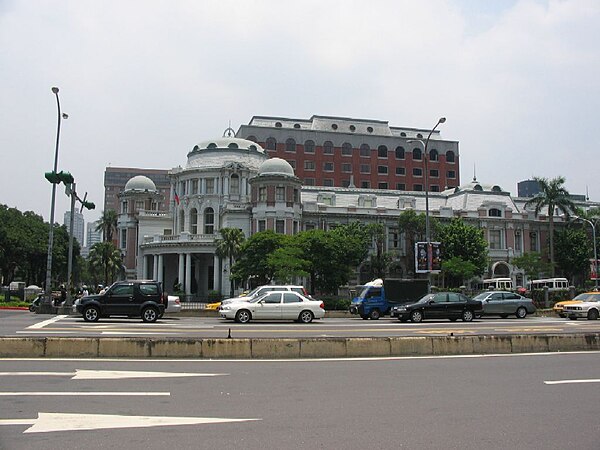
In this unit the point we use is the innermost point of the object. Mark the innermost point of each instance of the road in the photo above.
(22, 323)
(543, 401)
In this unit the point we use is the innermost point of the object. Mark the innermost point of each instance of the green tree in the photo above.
(288, 262)
(458, 271)
(105, 258)
(573, 251)
(380, 260)
(108, 224)
(552, 197)
(532, 264)
(229, 247)
(253, 263)
(464, 241)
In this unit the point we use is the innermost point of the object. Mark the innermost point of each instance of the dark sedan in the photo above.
(503, 304)
(441, 305)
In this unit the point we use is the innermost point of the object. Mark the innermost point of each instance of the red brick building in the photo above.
(343, 152)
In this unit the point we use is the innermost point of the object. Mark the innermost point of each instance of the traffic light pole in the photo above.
(71, 224)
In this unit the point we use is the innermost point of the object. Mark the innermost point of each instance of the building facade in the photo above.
(78, 225)
(369, 154)
(115, 179)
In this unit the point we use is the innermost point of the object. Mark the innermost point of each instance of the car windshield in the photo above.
(426, 298)
(588, 297)
(252, 293)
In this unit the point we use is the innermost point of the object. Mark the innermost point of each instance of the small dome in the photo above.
(276, 166)
(140, 183)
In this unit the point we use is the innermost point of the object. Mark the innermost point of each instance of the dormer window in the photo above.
(494, 212)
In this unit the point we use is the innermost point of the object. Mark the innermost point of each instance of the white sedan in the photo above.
(588, 310)
(275, 305)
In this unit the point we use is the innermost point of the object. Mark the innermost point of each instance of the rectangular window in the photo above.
(124, 207)
(401, 186)
(309, 181)
(210, 185)
(365, 184)
(280, 194)
(434, 188)
(382, 185)
(382, 170)
(394, 238)
(417, 172)
(418, 187)
(400, 171)
(262, 194)
(309, 165)
(280, 226)
(495, 239)
(328, 167)
(123, 239)
(194, 186)
(345, 183)
(451, 174)
(533, 242)
(139, 205)
(368, 202)
(518, 246)
(262, 225)
(346, 150)
(434, 173)
(365, 168)
(346, 167)
(328, 182)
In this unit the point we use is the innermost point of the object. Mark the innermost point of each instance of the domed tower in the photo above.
(276, 198)
(140, 196)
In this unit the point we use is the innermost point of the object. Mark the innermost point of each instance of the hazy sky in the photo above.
(144, 81)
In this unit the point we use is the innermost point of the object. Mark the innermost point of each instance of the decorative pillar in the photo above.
(160, 268)
(180, 273)
(155, 268)
(188, 274)
(144, 267)
(216, 274)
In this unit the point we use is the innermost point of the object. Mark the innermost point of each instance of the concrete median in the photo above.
(290, 348)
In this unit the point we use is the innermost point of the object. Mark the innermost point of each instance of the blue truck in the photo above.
(376, 298)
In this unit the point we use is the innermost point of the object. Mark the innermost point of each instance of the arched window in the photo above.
(290, 145)
(328, 148)
(382, 151)
(209, 221)
(252, 138)
(494, 212)
(417, 154)
(234, 184)
(365, 150)
(433, 155)
(309, 146)
(271, 144)
(194, 221)
(450, 156)
(181, 221)
(346, 149)
(399, 152)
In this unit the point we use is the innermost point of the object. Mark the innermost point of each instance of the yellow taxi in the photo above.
(593, 296)
(213, 306)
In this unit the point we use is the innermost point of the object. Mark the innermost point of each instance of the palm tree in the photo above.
(229, 247)
(552, 196)
(108, 224)
(106, 257)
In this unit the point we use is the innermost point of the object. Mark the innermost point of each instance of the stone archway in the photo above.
(501, 269)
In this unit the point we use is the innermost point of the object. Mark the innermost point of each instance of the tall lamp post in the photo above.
(425, 144)
(52, 203)
(594, 242)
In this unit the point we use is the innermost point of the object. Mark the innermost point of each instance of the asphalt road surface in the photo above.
(24, 323)
(542, 401)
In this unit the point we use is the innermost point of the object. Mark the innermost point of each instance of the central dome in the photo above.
(140, 183)
(276, 166)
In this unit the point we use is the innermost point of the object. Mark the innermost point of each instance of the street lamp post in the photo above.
(595, 253)
(48, 300)
(425, 144)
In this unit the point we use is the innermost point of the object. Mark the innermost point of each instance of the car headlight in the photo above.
(225, 308)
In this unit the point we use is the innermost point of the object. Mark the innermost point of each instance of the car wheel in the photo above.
(91, 314)
(150, 314)
(467, 315)
(504, 316)
(243, 316)
(31, 308)
(592, 314)
(364, 316)
(416, 316)
(306, 317)
(521, 312)
(375, 314)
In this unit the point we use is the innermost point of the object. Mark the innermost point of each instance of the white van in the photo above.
(498, 284)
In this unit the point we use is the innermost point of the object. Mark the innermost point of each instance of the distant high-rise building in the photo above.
(115, 179)
(78, 225)
(92, 236)
(528, 188)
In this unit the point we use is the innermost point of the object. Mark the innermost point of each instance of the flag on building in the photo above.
(176, 198)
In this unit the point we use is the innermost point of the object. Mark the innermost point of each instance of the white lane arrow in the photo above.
(49, 422)
(81, 374)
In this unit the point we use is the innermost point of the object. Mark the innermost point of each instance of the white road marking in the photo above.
(84, 394)
(81, 374)
(44, 332)
(45, 322)
(49, 422)
(592, 380)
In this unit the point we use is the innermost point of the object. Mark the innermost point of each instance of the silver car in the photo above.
(260, 290)
(275, 305)
(504, 304)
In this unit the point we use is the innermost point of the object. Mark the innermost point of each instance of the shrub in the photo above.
(336, 304)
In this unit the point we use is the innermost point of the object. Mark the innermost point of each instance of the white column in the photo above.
(155, 268)
(216, 274)
(144, 267)
(160, 268)
(180, 272)
(188, 273)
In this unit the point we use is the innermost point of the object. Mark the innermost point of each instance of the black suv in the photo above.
(138, 298)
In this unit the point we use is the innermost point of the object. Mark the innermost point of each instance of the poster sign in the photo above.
(594, 269)
(428, 257)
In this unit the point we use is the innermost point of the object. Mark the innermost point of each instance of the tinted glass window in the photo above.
(291, 298)
(149, 289)
(511, 296)
(454, 298)
(439, 298)
(123, 289)
(497, 296)
(273, 298)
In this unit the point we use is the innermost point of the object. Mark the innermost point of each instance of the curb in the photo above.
(291, 348)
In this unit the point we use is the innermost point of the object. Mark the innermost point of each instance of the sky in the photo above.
(143, 81)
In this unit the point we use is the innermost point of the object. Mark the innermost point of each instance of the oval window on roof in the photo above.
(296, 125)
(477, 187)
(334, 126)
(419, 135)
(278, 124)
(233, 145)
(195, 148)
(252, 147)
(403, 134)
(496, 189)
(370, 129)
(352, 128)
(211, 145)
